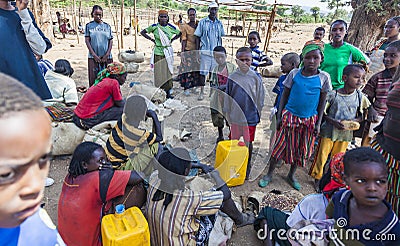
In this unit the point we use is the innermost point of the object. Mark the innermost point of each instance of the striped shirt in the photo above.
(44, 66)
(377, 89)
(259, 57)
(210, 33)
(126, 141)
(179, 222)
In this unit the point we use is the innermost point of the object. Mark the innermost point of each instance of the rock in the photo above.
(131, 56)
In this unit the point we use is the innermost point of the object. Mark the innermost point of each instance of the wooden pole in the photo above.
(79, 12)
(248, 31)
(136, 22)
(229, 17)
(270, 24)
(122, 24)
(74, 21)
(244, 23)
(115, 23)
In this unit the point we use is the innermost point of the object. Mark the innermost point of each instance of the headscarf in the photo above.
(336, 172)
(112, 68)
(312, 45)
(162, 12)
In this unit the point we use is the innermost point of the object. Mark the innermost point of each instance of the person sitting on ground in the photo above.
(61, 86)
(363, 208)
(91, 189)
(44, 65)
(218, 79)
(129, 147)
(271, 220)
(344, 104)
(25, 146)
(103, 101)
(170, 201)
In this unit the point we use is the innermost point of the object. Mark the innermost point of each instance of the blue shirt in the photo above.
(305, 92)
(16, 57)
(44, 66)
(210, 33)
(258, 57)
(278, 89)
(100, 35)
(36, 230)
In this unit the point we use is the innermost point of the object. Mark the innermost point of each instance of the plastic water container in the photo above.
(231, 161)
(125, 227)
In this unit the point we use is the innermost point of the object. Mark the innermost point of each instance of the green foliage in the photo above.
(339, 14)
(297, 12)
(280, 10)
(315, 13)
(374, 6)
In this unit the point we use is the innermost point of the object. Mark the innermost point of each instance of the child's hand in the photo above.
(21, 4)
(372, 115)
(338, 124)
(96, 58)
(317, 129)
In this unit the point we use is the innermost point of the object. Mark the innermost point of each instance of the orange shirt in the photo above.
(188, 35)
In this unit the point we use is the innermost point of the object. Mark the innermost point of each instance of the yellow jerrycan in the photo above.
(231, 161)
(125, 227)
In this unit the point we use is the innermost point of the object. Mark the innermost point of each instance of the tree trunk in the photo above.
(41, 10)
(366, 27)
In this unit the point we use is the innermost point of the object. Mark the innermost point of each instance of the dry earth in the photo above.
(195, 119)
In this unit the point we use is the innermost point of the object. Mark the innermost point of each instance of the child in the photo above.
(300, 113)
(24, 165)
(260, 59)
(44, 65)
(243, 109)
(377, 89)
(129, 147)
(319, 33)
(347, 103)
(61, 86)
(362, 210)
(90, 190)
(289, 62)
(218, 80)
(311, 207)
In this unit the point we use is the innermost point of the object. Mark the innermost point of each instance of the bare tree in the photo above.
(41, 11)
(368, 20)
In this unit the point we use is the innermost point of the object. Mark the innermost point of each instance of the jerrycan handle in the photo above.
(119, 210)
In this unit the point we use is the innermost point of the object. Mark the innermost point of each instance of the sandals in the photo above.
(248, 219)
(81, 89)
(263, 182)
(294, 183)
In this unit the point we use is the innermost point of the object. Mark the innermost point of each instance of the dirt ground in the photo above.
(204, 135)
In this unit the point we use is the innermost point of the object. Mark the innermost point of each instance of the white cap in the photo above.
(213, 5)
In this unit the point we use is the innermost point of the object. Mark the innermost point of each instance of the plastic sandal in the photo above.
(263, 183)
(295, 184)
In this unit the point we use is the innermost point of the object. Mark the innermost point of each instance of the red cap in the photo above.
(240, 143)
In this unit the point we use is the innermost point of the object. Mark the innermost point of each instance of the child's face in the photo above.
(391, 28)
(220, 58)
(24, 147)
(391, 57)
(338, 31)
(355, 79)
(244, 59)
(319, 35)
(312, 60)
(97, 15)
(98, 159)
(286, 66)
(368, 184)
(253, 40)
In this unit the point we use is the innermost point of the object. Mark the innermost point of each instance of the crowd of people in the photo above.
(322, 99)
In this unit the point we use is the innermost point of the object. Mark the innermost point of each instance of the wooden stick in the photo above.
(248, 31)
(271, 22)
(122, 24)
(115, 23)
(244, 23)
(136, 22)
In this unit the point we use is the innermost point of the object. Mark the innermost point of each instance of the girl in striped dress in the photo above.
(300, 113)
